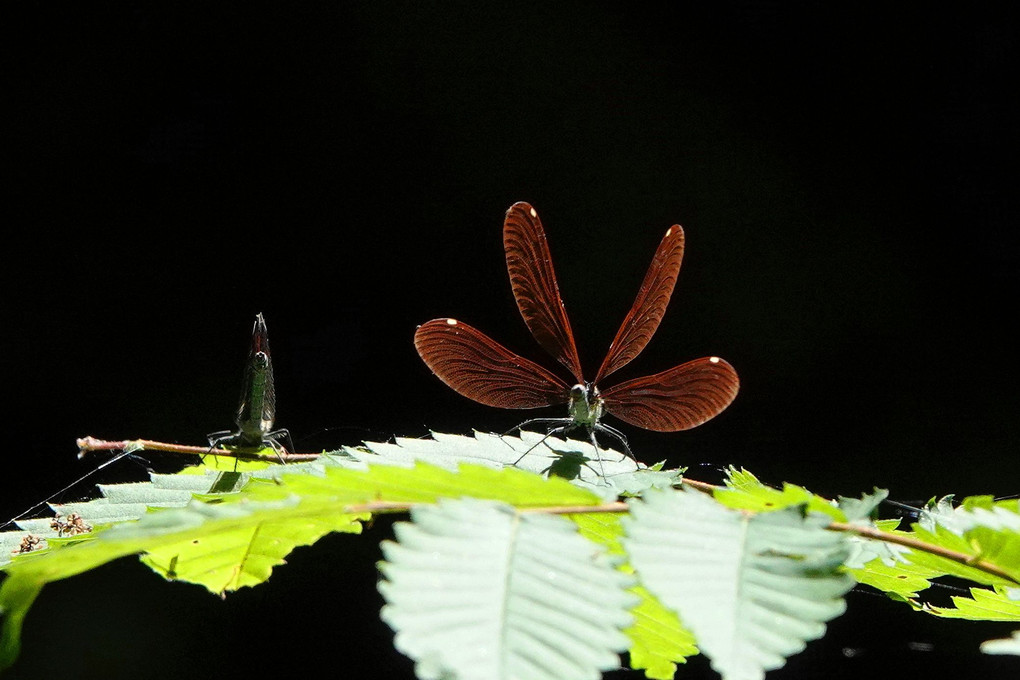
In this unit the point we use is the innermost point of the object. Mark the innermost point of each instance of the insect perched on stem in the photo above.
(256, 412)
(481, 369)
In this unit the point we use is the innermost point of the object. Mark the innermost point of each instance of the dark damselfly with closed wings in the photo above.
(256, 415)
(256, 412)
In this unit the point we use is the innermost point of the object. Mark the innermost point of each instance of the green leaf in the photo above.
(983, 529)
(975, 511)
(242, 554)
(658, 640)
(753, 589)
(267, 455)
(983, 605)
(744, 492)
(875, 563)
(1000, 548)
(200, 542)
(234, 540)
(886, 566)
(567, 458)
(419, 483)
(220, 558)
(476, 591)
(1010, 645)
(16, 596)
(901, 579)
(861, 509)
(1010, 505)
(120, 503)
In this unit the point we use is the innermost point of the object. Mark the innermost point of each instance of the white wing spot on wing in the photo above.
(533, 213)
(452, 322)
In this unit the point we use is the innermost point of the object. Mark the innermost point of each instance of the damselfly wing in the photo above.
(256, 412)
(481, 369)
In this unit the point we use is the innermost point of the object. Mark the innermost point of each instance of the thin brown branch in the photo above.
(618, 506)
(700, 486)
(88, 444)
(918, 544)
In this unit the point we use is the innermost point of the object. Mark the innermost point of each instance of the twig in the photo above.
(701, 486)
(88, 444)
(918, 544)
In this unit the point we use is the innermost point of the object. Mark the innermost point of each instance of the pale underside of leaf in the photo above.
(1010, 645)
(475, 591)
(605, 470)
(753, 589)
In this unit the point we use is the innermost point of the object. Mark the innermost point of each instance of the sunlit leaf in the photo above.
(744, 492)
(899, 578)
(999, 548)
(752, 588)
(418, 482)
(476, 591)
(1010, 645)
(658, 640)
(570, 459)
(982, 605)
(153, 532)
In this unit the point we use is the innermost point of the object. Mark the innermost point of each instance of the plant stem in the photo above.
(87, 444)
(918, 544)
(700, 486)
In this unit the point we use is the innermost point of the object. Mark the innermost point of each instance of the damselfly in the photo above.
(257, 411)
(481, 369)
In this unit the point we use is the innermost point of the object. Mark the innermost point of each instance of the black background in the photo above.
(846, 177)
